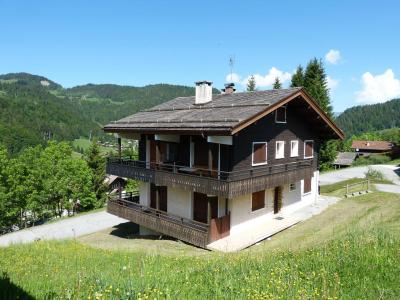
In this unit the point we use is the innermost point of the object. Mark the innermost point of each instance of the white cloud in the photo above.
(235, 78)
(269, 78)
(378, 88)
(333, 56)
(332, 83)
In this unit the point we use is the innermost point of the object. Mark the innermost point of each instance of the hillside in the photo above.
(350, 251)
(367, 118)
(34, 108)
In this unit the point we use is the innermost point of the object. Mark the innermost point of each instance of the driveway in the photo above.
(390, 172)
(63, 229)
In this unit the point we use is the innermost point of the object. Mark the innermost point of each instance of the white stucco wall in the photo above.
(179, 202)
(144, 193)
(242, 218)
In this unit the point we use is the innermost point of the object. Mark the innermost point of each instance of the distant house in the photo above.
(114, 183)
(372, 147)
(344, 159)
(212, 166)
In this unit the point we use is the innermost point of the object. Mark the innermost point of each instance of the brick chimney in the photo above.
(203, 92)
(229, 88)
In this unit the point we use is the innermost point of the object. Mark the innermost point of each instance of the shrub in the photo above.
(374, 174)
(372, 160)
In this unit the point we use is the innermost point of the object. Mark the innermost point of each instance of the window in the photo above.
(292, 187)
(259, 156)
(257, 200)
(307, 185)
(280, 114)
(280, 149)
(308, 149)
(294, 148)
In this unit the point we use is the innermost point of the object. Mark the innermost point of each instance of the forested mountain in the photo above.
(30, 115)
(367, 118)
(34, 109)
(108, 102)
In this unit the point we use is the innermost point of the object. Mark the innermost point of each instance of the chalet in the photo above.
(212, 166)
(372, 147)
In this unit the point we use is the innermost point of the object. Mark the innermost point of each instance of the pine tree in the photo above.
(97, 164)
(316, 85)
(298, 77)
(277, 84)
(251, 84)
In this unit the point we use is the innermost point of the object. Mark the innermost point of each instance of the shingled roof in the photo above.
(221, 115)
(372, 145)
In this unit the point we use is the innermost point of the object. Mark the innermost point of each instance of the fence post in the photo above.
(368, 185)
(347, 189)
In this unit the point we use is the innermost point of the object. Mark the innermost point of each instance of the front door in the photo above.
(277, 199)
(200, 207)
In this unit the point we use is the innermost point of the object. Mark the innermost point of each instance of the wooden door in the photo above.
(162, 198)
(200, 207)
(214, 206)
(277, 199)
(153, 196)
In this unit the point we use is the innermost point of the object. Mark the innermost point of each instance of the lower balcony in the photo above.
(190, 231)
(225, 184)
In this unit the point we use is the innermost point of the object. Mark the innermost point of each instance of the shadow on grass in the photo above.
(8, 290)
(130, 231)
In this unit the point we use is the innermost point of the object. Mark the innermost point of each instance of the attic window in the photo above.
(280, 114)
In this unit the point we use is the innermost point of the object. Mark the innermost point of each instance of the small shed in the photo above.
(344, 159)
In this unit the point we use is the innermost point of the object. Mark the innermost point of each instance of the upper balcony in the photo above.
(211, 181)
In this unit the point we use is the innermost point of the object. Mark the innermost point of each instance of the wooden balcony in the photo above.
(225, 184)
(187, 230)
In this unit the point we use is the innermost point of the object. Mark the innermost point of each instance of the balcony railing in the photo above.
(187, 230)
(227, 184)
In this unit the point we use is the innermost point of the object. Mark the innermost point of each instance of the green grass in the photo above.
(338, 189)
(350, 251)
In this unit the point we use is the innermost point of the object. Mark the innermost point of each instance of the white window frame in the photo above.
(276, 149)
(291, 148)
(291, 188)
(305, 149)
(276, 114)
(252, 154)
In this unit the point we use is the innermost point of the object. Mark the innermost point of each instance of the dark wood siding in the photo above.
(266, 129)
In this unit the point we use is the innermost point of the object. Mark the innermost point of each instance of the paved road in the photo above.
(67, 228)
(390, 172)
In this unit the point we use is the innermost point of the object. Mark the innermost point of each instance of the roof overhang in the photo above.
(301, 93)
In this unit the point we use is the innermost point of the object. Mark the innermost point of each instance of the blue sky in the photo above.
(179, 42)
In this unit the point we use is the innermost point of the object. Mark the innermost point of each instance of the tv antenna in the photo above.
(231, 64)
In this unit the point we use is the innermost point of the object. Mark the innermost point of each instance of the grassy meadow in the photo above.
(350, 251)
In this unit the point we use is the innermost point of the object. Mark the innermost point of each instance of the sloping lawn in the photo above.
(350, 251)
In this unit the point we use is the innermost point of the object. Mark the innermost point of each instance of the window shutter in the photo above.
(309, 149)
(259, 155)
(307, 185)
(257, 200)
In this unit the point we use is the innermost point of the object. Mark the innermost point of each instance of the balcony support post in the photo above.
(119, 147)
(208, 211)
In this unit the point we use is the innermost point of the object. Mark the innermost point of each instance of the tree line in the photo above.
(44, 182)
